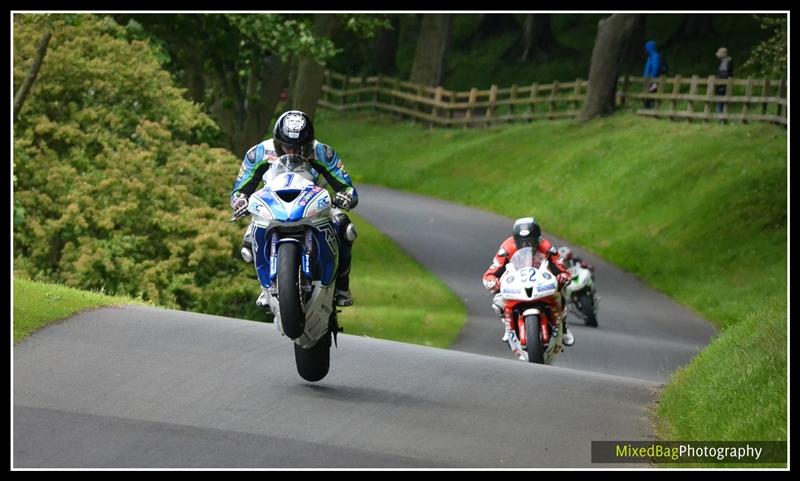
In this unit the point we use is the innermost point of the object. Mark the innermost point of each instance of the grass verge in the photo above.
(697, 211)
(395, 298)
(37, 304)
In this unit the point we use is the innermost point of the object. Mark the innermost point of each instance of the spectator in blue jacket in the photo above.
(652, 70)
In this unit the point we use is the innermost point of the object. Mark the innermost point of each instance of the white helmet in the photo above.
(565, 253)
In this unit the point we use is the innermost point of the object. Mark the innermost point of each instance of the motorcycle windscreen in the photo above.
(295, 164)
(527, 257)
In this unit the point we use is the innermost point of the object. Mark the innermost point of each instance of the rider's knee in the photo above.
(346, 227)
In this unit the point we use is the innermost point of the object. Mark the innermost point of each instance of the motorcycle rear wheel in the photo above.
(313, 363)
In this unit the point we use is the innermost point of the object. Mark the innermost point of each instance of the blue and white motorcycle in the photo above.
(296, 255)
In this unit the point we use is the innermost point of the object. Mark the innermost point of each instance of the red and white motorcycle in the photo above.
(531, 291)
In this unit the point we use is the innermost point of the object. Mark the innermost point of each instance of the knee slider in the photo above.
(346, 226)
(350, 233)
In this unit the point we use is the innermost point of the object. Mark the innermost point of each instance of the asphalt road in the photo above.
(137, 387)
(642, 333)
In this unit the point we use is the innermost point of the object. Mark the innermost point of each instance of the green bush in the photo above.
(116, 186)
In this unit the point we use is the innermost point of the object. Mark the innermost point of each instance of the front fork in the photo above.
(273, 242)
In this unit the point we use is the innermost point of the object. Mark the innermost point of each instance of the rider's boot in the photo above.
(569, 339)
(498, 305)
(263, 299)
(247, 245)
(342, 294)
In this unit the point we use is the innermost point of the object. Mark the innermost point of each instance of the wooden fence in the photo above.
(745, 100)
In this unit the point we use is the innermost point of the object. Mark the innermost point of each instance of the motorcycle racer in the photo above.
(294, 134)
(570, 260)
(527, 233)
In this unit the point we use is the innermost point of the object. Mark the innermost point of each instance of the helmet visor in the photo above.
(291, 149)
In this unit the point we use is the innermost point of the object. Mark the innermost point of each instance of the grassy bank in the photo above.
(395, 297)
(698, 211)
(37, 304)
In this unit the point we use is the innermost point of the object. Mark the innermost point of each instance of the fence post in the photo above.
(492, 100)
(552, 107)
(473, 93)
(728, 90)
(377, 96)
(436, 98)
(764, 95)
(395, 99)
(781, 95)
(748, 94)
(452, 112)
(676, 91)
(577, 93)
(326, 82)
(659, 90)
(692, 92)
(534, 92)
(625, 86)
(709, 93)
(345, 88)
(512, 98)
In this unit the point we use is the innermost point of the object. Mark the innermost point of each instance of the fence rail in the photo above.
(706, 99)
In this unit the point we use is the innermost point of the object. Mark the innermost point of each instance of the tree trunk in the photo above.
(635, 52)
(693, 26)
(493, 24)
(613, 35)
(386, 41)
(245, 117)
(22, 93)
(308, 83)
(536, 41)
(431, 53)
(264, 90)
(195, 78)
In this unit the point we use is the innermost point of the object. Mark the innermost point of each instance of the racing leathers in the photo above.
(491, 279)
(328, 170)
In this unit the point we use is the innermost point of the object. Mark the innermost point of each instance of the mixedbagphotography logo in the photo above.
(689, 452)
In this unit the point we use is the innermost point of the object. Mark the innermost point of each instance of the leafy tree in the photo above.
(237, 65)
(119, 187)
(768, 58)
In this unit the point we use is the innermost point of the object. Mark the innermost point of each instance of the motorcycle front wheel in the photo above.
(535, 347)
(292, 316)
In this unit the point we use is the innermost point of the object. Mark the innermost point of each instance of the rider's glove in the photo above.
(492, 285)
(344, 199)
(239, 205)
(563, 279)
